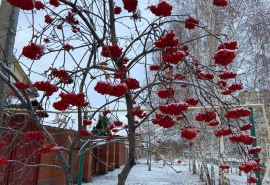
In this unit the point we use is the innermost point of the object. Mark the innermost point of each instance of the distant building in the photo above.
(32, 93)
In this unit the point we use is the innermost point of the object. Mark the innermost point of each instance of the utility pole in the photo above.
(9, 16)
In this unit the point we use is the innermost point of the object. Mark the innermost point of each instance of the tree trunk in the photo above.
(194, 171)
(68, 177)
(8, 27)
(212, 164)
(223, 174)
(132, 143)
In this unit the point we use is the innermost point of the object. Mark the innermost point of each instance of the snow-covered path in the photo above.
(159, 175)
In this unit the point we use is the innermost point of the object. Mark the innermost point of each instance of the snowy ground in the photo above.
(160, 175)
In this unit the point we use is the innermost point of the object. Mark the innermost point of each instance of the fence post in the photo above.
(254, 144)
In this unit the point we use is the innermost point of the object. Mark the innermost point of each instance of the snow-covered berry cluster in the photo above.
(237, 113)
(191, 22)
(173, 108)
(162, 9)
(48, 148)
(117, 90)
(206, 116)
(164, 121)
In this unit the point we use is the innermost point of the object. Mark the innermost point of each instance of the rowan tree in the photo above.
(96, 56)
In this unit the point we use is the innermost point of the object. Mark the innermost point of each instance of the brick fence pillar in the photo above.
(103, 159)
(117, 154)
(112, 156)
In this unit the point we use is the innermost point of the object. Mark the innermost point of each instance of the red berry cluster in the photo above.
(154, 67)
(179, 76)
(246, 126)
(251, 180)
(178, 118)
(237, 113)
(48, 19)
(256, 169)
(162, 9)
(192, 101)
(46, 86)
(130, 5)
(121, 72)
(173, 108)
(48, 148)
(117, 10)
(21, 85)
(33, 51)
(125, 60)
(113, 51)
(213, 123)
(70, 18)
(172, 55)
(39, 5)
(255, 150)
(185, 49)
(59, 73)
(170, 52)
(55, 3)
(189, 132)
(224, 57)
(131, 83)
(224, 166)
(191, 22)
(221, 3)
(107, 111)
(164, 121)
(222, 132)
(205, 76)
(136, 111)
(117, 123)
(35, 135)
(85, 133)
(235, 87)
(22, 4)
(4, 161)
(74, 22)
(248, 166)
(115, 130)
(232, 45)
(67, 47)
(109, 138)
(87, 122)
(206, 116)
(70, 99)
(244, 138)
(2, 144)
(226, 92)
(46, 40)
(165, 93)
(168, 41)
(222, 84)
(110, 127)
(117, 90)
(227, 75)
